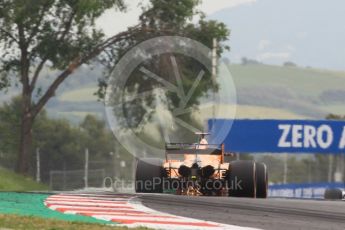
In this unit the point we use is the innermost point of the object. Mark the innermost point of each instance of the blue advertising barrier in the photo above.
(279, 136)
(305, 191)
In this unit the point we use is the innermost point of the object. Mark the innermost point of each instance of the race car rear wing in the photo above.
(209, 151)
(185, 146)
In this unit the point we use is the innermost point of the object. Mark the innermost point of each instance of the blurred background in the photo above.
(286, 59)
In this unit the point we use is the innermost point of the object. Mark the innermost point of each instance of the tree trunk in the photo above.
(24, 151)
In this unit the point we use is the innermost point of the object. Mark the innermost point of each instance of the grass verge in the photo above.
(13, 182)
(10, 222)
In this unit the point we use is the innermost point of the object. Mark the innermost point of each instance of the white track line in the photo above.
(129, 213)
(89, 200)
(84, 203)
(93, 198)
(118, 214)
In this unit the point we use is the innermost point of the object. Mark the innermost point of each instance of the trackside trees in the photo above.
(169, 18)
(61, 35)
(38, 34)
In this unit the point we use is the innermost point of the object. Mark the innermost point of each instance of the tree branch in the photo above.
(68, 26)
(24, 62)
(39, 68)
(78, 61)
(35, 29)
(9, 34)
(36, 74)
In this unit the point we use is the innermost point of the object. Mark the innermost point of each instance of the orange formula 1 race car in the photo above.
(200, 169)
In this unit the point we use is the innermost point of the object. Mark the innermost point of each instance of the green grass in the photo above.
(27, 211)
(33, 223)
(10, 181)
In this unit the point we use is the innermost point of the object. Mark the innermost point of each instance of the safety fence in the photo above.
(67, 180)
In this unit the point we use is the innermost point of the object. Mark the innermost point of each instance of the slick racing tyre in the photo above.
(261, 180)
(242, 179)
(149, 176)
(334, 194)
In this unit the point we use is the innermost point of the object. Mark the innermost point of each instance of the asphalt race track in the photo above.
(258, 213)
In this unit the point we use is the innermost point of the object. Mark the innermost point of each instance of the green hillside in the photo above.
(303, 91)
(302, 81)
(12, 182)
(263, 91)
(80, 95)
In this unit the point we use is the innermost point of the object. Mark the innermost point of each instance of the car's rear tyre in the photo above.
(149, 176)
(333, 194)
(261, 180)
(242, 179)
